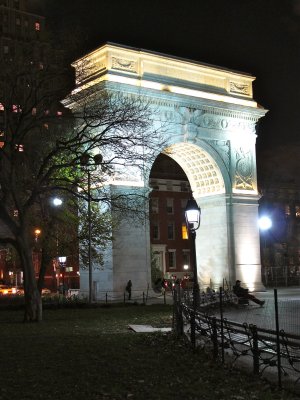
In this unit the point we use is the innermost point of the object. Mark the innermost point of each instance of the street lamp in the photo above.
(57, 201)
(62, 260)
(90, 163)
(264, 224)
(192, 217)
(37, 233)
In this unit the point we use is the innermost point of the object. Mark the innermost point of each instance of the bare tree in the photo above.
(44, 145)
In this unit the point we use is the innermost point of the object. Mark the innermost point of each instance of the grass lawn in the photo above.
(89, 354)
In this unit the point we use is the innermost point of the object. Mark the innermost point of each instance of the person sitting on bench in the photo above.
(243, 293)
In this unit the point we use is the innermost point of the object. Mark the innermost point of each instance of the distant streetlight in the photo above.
(37, 233)
(264, 223)
(57, 201)
(89, 164)
(192, 217)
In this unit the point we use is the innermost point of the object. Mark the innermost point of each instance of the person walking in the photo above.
(243, 293)
(128, 289)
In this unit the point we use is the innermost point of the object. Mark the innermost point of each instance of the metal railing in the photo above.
(271, 353)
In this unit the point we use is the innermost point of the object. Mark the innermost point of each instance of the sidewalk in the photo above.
(264, 317)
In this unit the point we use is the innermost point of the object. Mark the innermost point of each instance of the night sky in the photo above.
(260, 37)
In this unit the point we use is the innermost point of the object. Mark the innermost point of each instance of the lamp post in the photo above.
(62, 260)
(90, 163)
(265, 223)
(56, 202)
(192, 217)
(37, 233)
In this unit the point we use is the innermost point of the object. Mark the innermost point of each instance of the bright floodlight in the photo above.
(265, 223)
(57, 201)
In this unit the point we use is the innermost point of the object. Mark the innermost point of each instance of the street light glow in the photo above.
(57, 201)
(264, 223)
(192, 215)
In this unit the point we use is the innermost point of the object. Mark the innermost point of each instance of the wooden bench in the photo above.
(243, 302)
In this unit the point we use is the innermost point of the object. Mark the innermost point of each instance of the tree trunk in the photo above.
(46, 258)
(32, 296)
(33, 306)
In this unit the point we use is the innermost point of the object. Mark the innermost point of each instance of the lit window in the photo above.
(186, 257)
(20, 147)
(59, 113)
(172, 259)
(297, 211)
(37, 26)
(287, 210)
(16, 108)
(46, 126)
(16, 213)
(170, 228)
(1, 107)
(184, 232)
(33, 111)
(170, 208)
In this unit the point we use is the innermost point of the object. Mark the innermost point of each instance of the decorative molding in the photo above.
(203, 119)
(239, 88)
(202, 115)
(223, 148)
(124, 65)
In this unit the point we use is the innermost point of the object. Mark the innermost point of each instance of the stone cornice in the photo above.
(146, 70)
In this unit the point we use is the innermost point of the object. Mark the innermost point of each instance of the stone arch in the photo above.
(211, 116)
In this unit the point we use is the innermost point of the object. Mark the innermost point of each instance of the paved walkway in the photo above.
(264, 317)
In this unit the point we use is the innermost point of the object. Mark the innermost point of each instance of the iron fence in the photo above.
(272, 353)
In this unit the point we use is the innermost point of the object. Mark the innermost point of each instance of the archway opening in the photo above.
(178, 171)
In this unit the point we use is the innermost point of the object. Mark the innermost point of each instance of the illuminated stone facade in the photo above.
(210, 116)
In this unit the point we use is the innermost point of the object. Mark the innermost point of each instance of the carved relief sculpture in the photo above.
(244, 171)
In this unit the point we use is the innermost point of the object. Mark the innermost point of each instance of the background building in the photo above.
(280, 202)
(169, 239)
(22, 32)
(25, 48)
